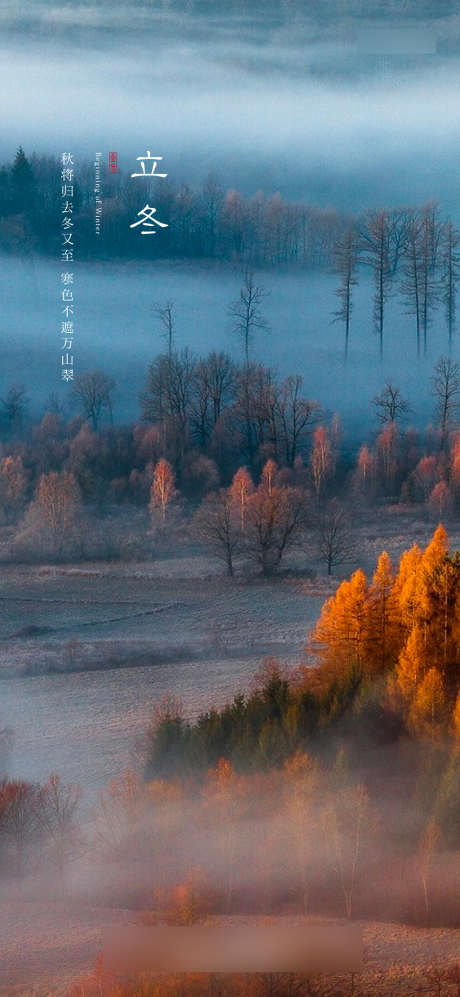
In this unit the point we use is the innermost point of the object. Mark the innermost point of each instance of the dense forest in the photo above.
(243, 456)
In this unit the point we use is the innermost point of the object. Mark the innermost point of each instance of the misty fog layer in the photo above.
(280, 106)
(117, 331)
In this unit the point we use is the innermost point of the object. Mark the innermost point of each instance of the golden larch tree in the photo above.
(384, 618)
(339, 638)
(427, 713)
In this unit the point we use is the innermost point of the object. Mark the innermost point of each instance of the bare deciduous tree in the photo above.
(375, 240)
(58, 806)
(346, 261)
(165, 314)
(390, 404)
(20, 813)
(13, 488)
(53, 515)
(94, 390)
(346, 821)
(217, 525)
(420, 285)
(213, 389)
(295, 416)
(168, 395)
(276, 517)
(450, 275)
(333, 531)
(446, 389)
(428, 843)
(411, 280)
(246, 312)
(429, 245)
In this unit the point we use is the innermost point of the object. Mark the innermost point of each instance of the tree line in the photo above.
(410, 251)
(243, 456)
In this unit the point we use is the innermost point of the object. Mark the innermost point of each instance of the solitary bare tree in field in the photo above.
(246, 312)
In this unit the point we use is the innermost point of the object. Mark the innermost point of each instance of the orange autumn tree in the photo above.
(406, 587)
(404, 625)
(241, 488)
(163, 491)
(339, 639)
(383, 618)
(427, 674)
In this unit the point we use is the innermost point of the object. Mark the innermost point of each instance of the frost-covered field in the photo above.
(140, 633)
(113, 640)
(58, 942)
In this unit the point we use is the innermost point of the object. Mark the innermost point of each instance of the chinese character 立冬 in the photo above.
(146, 219)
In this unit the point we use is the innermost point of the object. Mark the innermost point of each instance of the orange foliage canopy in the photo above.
(404, 625)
